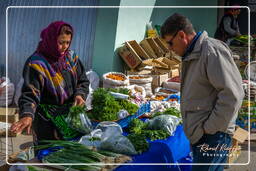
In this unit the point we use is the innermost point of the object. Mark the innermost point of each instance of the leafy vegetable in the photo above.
(119, 90)
(106, 107)
(130, 107)
(170, 111)
(139, 142)
(78, 120)
(155, 134)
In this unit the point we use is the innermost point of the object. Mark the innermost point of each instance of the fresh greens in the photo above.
(119, 90)
(139, 142)
(106, 107)
(78, 119)
(155, 134)
(139, 133)
(170, 111)
(128, 106)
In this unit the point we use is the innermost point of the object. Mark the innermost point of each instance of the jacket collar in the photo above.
(197, 47)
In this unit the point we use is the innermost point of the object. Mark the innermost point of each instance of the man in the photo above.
(211, 90)
(228, 27)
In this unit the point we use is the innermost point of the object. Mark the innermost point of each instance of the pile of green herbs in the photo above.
(106, 107)
(170, 111)
(139, 132)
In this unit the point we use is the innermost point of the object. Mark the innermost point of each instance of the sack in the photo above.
(121, 80)
(5, 82)
(143, 81)
(171, 85)
(137, 91)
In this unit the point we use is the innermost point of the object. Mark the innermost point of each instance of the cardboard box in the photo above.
(148, 49)
(138, 49)
(142, 72)
(159, 79)
(156, 48)
(240, 134)
(12, 115)
(163, 46)
(154, 63)
(171, 63)
(171, 72)
(129, 55)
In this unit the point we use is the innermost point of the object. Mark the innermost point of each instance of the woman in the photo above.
(54, 78)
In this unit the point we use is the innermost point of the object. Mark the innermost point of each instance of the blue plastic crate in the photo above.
(124, 122)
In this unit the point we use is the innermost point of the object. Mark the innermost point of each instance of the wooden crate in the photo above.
(155, 63)
(12, 114)
(163, 46)
(148, 49)
(129, 55)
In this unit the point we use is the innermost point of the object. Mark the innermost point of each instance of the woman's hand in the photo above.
(23, 123)
(79, 101)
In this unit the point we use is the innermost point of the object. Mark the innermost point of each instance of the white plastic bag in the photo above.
(94, 84)
(93, 139)
(79, 121)
(110, 127)
(118, 144)
(5, 82)
(168, 123)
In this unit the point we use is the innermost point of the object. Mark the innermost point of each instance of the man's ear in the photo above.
(181, 34)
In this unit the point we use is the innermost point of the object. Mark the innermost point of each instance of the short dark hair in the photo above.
(175, 23)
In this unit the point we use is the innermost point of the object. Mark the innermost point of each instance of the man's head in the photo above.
(178, 32)
(235, 10)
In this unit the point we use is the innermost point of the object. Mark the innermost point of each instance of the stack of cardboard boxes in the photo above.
(150, 57)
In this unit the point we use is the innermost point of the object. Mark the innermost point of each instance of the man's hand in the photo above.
(79, 101)
(23, 123)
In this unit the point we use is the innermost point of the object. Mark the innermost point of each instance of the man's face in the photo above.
(177, 42)
(235, 12)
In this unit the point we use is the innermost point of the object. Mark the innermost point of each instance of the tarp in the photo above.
(172, 150)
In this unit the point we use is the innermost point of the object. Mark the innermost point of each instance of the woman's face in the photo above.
(63, 42)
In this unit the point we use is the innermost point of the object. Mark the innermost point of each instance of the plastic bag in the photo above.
(78, 120)
(110, 128)
(94, 84)
(118, 144)
(10, 88)
(93, 139)
(122, 114)
(164, 122)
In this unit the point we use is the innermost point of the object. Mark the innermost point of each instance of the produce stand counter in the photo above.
(175, 149)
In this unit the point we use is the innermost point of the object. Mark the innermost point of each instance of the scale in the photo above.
(252, 73)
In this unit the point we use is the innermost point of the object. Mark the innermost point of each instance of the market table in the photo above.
(169, 151)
